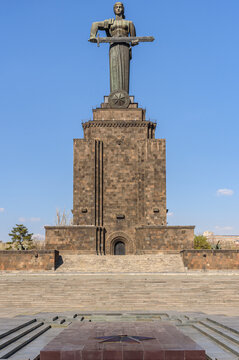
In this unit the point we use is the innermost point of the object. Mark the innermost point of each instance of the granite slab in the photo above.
(122, 341)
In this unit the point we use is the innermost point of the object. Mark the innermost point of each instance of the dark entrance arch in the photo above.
(119, 248)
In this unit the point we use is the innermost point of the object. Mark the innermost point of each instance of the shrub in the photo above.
(200, 242)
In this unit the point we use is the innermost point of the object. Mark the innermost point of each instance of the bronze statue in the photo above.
(117, 32)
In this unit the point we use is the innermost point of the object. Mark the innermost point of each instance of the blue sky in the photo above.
(188, 81)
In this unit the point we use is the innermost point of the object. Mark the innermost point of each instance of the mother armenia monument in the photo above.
(119, 187)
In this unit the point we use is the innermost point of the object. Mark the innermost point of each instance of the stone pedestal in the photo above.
(122, 341)
(119, 188)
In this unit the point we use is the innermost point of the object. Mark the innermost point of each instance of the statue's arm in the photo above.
(99, 25)
(132, 32)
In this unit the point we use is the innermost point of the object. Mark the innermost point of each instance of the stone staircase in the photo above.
(164, 262)
(22, 293)
(23, 337)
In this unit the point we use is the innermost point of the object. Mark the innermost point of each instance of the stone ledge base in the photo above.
(211, 259)
(35, 260)
(98, 240)
(162, 261)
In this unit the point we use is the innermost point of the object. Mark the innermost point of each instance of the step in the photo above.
(163, 262)
(18, 334)
(220, 329)
(17, 328)
(219, 339)
(26, 294)
(11, 349)
(213, 351)
(230, 328)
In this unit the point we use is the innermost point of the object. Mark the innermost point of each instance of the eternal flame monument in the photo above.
(119, 198)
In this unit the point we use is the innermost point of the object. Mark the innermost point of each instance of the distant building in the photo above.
(225, 241)
(2, 245)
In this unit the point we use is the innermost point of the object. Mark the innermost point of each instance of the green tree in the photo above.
(21, 239)
(200, 242)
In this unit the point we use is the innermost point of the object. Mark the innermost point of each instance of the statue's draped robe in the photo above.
(119, 57)
(119, 67)
(120, 53)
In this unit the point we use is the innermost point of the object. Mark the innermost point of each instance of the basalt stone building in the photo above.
(119, 200)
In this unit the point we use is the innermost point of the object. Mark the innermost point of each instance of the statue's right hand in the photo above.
(93, 39)
(134, 42)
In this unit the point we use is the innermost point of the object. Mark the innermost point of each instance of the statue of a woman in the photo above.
(120, 53)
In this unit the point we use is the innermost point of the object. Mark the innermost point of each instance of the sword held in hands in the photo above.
(133, 40)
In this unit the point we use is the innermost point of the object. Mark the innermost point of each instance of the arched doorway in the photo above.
(119, 248)
(119, 236)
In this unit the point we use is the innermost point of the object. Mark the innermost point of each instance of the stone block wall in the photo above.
(119, 114)
(28, 260)
(84, 182)
(116, 129)
(101, 240)
(119, 172)
(72, 238)
(150, 239)
(211, 259)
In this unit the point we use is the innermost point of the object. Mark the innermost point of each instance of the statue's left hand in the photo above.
(135, 42)
(93, 39)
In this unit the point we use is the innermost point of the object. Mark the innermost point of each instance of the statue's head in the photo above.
(119, 9)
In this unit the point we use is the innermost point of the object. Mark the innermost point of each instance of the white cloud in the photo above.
(35, 219)
(32, 219)
(225, 192)
(170, 213)
(223, 228)
(2, 209)
(38, 237)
